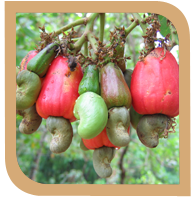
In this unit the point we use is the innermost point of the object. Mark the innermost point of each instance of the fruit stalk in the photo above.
(102, 25)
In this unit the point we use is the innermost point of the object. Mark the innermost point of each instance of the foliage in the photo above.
(142, 165)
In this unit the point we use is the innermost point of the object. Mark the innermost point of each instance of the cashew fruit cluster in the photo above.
(105, 100)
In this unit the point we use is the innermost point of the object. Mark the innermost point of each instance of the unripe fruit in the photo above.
(92, 112)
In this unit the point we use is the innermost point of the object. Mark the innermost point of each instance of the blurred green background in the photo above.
(134, 164)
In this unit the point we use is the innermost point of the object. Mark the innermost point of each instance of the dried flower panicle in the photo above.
(151, 36)
(46, 38)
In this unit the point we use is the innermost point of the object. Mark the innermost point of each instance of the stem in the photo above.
(90, 23)
(73, 24)
(86, 48)
(93, 41)
(139, 20)
(107, 59)
(148, 33)
(102, 25)
(83, 38)
(78, 45)
(75, 39)
(130, 40)
(121, 166)
(130, 28)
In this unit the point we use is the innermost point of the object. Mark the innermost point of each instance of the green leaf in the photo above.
(28, 32)
(164, 27)
(27, 140)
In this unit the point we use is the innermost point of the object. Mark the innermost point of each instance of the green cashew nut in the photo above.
(102, 158)
(28, 88)
(92, 112)
(62, 133)
(82, 146)
(117, 126)
(31, 120)
(150, 128)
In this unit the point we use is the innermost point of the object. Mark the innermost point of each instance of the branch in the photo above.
(123, 171)
(90, 23)
(102, 25)
(130, 40)
(86, 48)
(73, 24)
(83, 38)
(93, 41)
(78, 45)
(140, 21)
(130, 28)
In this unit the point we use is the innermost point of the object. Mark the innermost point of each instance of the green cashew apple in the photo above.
(41, 62)
(102, 158)
(92, 112)
(90, 80)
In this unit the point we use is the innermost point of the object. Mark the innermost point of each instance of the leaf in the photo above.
(29, 32)
(164, 27)
(27, 140)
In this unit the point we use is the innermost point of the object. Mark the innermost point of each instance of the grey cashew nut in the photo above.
(31, 120)
(117, 126)
(102, 158)
(150, 128)
(62, 133)
(82, 146)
